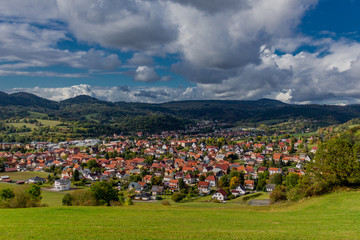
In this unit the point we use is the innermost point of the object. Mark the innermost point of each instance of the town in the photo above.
(224, 165)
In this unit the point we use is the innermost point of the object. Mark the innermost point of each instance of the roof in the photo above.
(63, 181)
(204, 184)
(210, 178)
(222, 192)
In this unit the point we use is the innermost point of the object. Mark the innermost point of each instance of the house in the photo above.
(62, 184)
(211, 180)
(134, 185)
(249, 184)
(189, 179)
(273, 170)
(220, 195)
(157, 190)
(143, 186)
(270, 187)
(143, 196)
(204, 187)
(37, 180)
(239, 190)
(174, 184)
(147, 178)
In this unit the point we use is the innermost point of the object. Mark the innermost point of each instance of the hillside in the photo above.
(107, 117)
(333, 216)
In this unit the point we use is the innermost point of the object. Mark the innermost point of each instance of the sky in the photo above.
(298, 51)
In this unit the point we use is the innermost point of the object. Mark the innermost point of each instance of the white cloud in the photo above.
(117, 93)
(145, 74)
(227, 48)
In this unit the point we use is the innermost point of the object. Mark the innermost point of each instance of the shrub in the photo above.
(104, 193)
(128, 201)
(294, 194)
(166, 203)
(317, 188)
(232, 197)
(82, 197)
(67, 201)
(158, 198)
(279, 194)
(177, 197)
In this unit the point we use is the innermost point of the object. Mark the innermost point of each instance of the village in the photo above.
(226, 165)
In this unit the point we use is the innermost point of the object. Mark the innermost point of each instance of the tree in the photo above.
(92, 164)
(34, 192)
(292, 180)
(76, 175)
(337, 160)
(177, 197)
(2, 165)
(128, 201)
(276, 179)
(234, 182)
(181, 183)
(6, 194)
(104, 193)
(156, 180)
(67, 201)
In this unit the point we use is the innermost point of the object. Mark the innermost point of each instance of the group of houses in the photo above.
(195, 162)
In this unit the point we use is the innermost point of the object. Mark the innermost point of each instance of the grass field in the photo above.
(16, 176)
(333, 216)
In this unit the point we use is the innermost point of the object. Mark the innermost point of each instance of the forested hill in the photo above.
(171, 115)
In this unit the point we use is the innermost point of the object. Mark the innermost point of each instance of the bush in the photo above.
(104, 193)
(279, 194)
(317, 188)
(82, 197)
(158, 198)
(67, 201)
(177, 197)
(294, 194)
(128, 201)
(166, 203)
(232, 197)
(26, 197)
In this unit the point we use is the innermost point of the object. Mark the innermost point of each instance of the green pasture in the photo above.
(333, 216)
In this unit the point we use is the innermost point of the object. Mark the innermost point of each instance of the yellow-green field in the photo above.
(333, 216)
(16, 176)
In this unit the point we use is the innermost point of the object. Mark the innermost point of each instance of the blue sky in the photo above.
(301, 51)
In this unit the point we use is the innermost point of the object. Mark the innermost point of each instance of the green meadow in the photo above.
(333, 216)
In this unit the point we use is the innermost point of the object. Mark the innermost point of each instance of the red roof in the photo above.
(210, 178)
(204, 184)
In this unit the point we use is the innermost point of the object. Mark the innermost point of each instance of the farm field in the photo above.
(333, 216)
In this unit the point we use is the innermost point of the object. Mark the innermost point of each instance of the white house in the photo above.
(220, 195)
(239, 190)
(270, 187)
(62, 184)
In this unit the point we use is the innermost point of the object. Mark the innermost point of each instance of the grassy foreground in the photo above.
(334, 216)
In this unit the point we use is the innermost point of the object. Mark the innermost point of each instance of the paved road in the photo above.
(259, 202)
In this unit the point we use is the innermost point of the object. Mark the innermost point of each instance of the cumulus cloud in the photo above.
(24, 46)
(116, 93)
(140, 59)
(226, 49)
(145, 74)
(129, 24)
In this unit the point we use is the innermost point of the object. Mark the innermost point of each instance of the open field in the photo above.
(334, 216)
(15, 176)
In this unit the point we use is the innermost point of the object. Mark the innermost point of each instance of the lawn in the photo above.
(334, 216)
(16, 176)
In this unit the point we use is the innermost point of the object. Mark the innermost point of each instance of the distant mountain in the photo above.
(173, 115)
(26, 99)
(82, 99)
